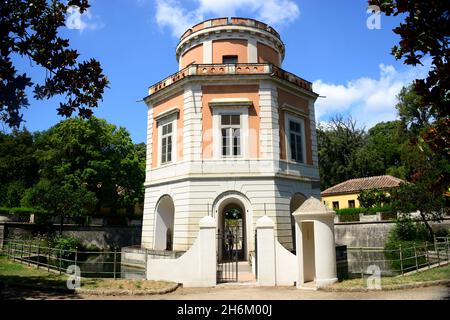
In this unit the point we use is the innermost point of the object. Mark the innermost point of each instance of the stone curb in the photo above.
(389, 287)
(98, 292)
(102, 292)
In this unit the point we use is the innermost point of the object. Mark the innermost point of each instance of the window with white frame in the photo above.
(230, 128)
(166, 142)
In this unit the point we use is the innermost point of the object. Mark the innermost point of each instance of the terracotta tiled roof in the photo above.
(355, 185)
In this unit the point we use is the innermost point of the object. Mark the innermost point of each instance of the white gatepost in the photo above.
(316, 249)
(265, 236)
(207, 257)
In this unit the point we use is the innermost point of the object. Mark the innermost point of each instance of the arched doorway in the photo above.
(164, 222)
(232, 208)
(296, 201)
(233, 228)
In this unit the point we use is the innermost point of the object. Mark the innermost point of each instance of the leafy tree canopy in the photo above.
(425, 33)
(94, 154)
(29, 28)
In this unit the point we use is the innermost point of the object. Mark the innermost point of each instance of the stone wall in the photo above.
(103, 237)
(370, 234)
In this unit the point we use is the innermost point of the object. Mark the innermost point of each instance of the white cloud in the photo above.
(367, 100)
(170, 13)
(78, 21)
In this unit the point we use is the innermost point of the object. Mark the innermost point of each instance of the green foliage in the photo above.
(30, 29)
(405, 235)
(373, 197)
(60, 199)
(346, 211)
(338, 144)
(407, 251)
(66, 243)
(4, 210)
(407, 230)
(96, 155)
(424, 32)
(369, 211)
(381, 152)
(412, 197)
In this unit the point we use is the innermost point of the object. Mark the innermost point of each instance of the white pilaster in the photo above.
(269, 135)
(192, 126)
(252, 50)
(312, 125)
(207, 51)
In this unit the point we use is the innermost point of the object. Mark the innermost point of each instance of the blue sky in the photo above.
(327, 43)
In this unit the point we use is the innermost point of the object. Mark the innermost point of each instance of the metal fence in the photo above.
(398, 261)
(92, 264)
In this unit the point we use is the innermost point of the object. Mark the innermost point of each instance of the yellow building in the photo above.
(345, 194)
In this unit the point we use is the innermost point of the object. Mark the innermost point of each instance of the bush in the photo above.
(4, 210)
(349, 211)
(66, 243)
(407, 230)
(408, 250)
(374, 210)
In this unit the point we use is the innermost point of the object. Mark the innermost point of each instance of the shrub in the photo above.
(408, 250)
(4, 210)
(66, 243)
(407, 230)
(349, 211)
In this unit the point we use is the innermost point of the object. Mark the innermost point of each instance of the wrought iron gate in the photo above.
(229, 250)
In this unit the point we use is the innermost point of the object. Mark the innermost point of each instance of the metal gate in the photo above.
(229, 250)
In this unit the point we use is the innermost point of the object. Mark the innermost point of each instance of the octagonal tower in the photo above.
(230, 133)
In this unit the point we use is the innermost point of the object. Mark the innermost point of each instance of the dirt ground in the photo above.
(227, 292)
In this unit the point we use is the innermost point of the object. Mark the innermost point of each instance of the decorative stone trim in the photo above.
(294, 110)
(230, 102)
(167, 113)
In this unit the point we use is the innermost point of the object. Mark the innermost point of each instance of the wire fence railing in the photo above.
(398, 261)
(92, 264)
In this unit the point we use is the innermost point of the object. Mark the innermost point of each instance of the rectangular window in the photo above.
(351, 203)
(295, 137)
(166, 143)
(229, 59)
(336, 205)
(230, 126)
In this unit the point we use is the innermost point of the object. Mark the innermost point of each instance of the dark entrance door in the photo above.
(229, 250)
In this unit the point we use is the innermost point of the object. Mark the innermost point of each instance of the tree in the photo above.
(413, 118)
(338, 144)
(380, 153)
(425, 32)
(18, 166)
(30, 29)
(60, 198)
(418, 197)
(96, 155)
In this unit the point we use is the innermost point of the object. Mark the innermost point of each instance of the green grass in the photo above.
(441, 273)
(17, 273)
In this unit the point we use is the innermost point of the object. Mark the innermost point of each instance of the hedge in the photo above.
(370, 211)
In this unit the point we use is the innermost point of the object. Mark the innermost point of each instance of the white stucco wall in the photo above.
(197, 267)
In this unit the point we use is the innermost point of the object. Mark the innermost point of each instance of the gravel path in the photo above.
(250, 293)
